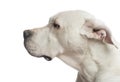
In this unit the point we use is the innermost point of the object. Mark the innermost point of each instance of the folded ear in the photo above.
(95, 29)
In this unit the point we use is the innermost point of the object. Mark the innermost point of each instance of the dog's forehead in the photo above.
(71, 16)
(67, 15)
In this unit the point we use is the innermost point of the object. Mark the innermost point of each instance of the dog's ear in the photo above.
(95, 29)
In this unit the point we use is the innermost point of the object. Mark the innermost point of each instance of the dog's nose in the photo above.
(27, 34)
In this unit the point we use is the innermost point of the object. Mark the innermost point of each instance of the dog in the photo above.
(80, 40)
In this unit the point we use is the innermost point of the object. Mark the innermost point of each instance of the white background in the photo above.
(16, 65)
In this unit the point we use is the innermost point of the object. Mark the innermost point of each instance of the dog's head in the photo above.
(66, 32)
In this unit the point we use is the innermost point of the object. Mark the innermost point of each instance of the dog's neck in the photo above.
(102, 52)
(97, 55)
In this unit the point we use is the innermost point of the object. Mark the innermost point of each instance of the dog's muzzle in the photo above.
(27, 34)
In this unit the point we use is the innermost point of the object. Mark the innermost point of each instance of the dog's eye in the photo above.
(96, 30)
(57, 26)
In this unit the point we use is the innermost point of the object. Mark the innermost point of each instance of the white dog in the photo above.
(81, 41)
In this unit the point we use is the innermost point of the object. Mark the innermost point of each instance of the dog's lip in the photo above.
(48, 58)
(44, 56)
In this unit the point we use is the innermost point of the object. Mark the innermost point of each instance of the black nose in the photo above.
(27, 34)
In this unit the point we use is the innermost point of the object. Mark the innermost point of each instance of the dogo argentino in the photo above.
(81, 41)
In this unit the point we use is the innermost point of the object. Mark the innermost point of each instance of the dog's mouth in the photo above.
(30, 51)
(46, 57)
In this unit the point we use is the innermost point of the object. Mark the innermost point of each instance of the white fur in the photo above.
(83, 42)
